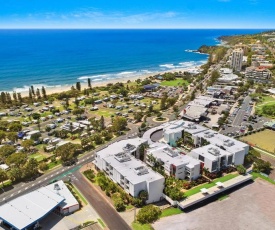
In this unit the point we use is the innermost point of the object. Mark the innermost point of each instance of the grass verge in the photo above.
(258, 175)
(101, 223)
(138, 226)
(170, 212)
(79, 194)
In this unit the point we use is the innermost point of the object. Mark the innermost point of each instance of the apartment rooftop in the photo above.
(121, 146)
(170, 155)
(132, 169)
(211, 152)
(218, 139)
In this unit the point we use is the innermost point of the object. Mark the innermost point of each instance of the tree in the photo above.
(78, 111)
(43, 166)
(163, 102)
(3, 98)
(6, 151)
(31, 168)
(3, 176)
(32, 90)
(15, 174)
(97, 139)
(27, 144)
(15, 127)
(143, 195)
(241, 169)
(102, 123)
(148, 214)
(78, 86)
(250, 128)
(89, 83)
(68, 151)
(119, 124)
(138, 116)
(44, 94)
(14, 95)
(30, 94)
(38, 95)
(12, 136)
(17, 159)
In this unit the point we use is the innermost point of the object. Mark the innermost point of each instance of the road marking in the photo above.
(22, 185)
(56, 173)
(46, 178)
(39, 181)
(51, 175)
(26, 188)
(32, 185)
(19, 191)
(11, 195)
(63, 170)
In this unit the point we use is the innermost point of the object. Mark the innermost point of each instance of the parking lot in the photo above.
(250, 207)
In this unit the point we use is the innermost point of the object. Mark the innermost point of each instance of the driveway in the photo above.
(250, 207)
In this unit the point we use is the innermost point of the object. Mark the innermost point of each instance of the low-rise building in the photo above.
(258, 74)
(212, 157)
(118, 162)
(175, 164)
(237, 148)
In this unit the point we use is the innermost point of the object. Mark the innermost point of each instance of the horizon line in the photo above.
(164, 28)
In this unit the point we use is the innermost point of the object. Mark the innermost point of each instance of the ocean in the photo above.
(55, 58)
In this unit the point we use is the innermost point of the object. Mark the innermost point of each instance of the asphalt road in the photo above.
(103, 208)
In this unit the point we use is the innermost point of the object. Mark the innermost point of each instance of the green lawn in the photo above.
(209, 185)
(176, 82)
(258, 175)
(53, 164)
(266, 100)
(170, 212)
(138, 226)
(39, 157)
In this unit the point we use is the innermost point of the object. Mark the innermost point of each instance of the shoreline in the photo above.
(63, 88)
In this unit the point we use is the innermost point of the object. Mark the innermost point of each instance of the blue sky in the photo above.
(137, 14)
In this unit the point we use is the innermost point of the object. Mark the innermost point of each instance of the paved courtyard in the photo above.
(251, 207)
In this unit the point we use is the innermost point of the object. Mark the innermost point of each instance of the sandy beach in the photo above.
(59, 89)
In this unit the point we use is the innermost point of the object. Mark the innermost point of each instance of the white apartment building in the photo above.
(119, 163)
(175, 164)
(212, 157)
(175, 130)
(237, 148)
(258, 74)
(236, 59)
(201, 136)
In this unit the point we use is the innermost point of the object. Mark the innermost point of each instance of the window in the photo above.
(230, 160)
(214, 165)
(201, 158)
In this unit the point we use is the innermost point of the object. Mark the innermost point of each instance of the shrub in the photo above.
(241, 169)
(148, 214)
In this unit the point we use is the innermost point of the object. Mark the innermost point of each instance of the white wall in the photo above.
(155, 190)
